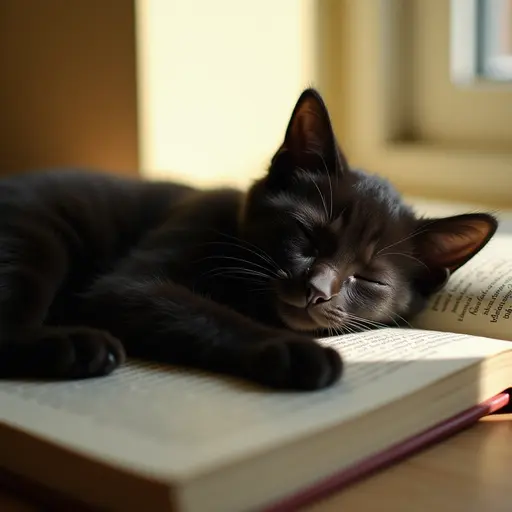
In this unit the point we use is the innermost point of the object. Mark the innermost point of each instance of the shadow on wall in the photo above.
(68, 94)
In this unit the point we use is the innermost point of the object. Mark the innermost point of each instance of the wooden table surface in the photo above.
(471, 471)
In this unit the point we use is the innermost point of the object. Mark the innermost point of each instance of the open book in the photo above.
(159, 438)
(478, 298)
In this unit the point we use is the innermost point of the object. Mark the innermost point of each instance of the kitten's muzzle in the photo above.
(323, 284)
(305, 304)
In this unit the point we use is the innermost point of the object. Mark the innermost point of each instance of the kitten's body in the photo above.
(93, 266)
(79, 225)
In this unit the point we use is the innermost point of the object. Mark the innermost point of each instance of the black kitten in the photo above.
(93, 266)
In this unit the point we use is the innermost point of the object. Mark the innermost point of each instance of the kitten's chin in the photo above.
(296, 318)
(300, 319)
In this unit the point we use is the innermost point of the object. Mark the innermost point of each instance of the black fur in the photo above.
(94, 267)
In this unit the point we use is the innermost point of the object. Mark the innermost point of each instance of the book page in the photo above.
(172, 423)
(478, 297)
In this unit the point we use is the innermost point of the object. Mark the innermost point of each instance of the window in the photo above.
(481, 41)
(404, 111)
(419, 90)
(495, 39)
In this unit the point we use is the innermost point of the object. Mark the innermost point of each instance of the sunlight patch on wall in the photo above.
(217, 83)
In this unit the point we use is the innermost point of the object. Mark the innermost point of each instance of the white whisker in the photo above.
(420, 230)
(259, 251)
(330, 184)
(319, 191)
(242, 260)
(406, 256)
(235, 271)
(403, 320)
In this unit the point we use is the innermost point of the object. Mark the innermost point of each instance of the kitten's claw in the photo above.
(82, 352)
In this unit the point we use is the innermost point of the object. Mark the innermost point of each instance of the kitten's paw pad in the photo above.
(296, 363)
(83, 352)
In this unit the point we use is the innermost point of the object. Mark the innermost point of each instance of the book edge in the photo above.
(392, 455)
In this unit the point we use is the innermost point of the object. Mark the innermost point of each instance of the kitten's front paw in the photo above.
(295, 362)
(81, 352)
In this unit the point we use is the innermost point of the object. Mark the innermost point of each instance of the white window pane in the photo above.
(495, 39)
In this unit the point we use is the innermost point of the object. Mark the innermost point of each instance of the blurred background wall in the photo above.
(186, 89)
(68, 84)
(217, 83)
(201, 90)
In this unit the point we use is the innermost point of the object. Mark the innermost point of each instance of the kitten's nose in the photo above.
(322, 286)
(317, 295)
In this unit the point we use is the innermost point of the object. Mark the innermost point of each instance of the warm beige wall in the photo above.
(68, 84)
(218, 81)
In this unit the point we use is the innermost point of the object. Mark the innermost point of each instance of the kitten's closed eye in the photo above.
(306, 231)
(282, 274)
(311, 249)
(320, 239)
(368, 279)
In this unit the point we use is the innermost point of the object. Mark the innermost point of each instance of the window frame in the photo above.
(367, 59)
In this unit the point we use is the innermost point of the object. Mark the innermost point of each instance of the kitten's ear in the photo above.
(445, 244)
(309, 137)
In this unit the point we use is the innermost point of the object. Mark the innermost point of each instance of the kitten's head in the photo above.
(345, 250)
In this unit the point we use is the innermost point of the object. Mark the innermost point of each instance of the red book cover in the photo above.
(391, 455)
